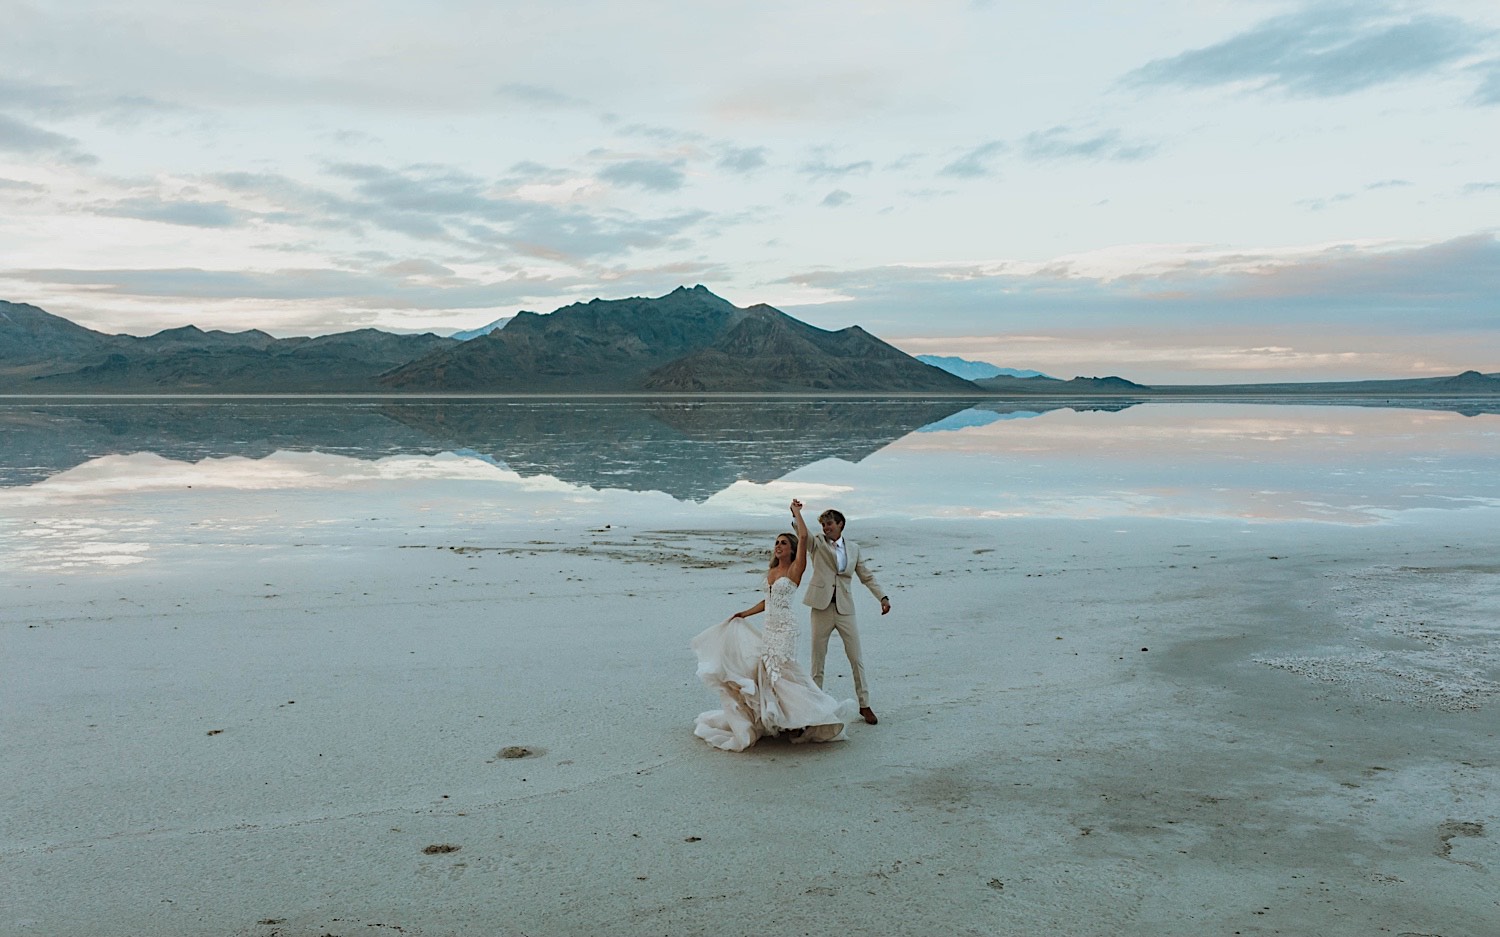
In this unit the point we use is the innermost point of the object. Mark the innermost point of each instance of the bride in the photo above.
(762, 688)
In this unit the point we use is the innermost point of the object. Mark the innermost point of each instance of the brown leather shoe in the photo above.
(869, 715)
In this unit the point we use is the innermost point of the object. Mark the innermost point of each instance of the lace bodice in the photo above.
(780, 633)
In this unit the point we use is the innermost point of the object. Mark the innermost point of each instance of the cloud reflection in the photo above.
(1347, 465)
(1209, 462)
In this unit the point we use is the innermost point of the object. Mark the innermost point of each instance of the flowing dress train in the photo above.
(762, 689)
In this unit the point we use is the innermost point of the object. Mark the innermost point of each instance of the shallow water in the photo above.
(94, 483)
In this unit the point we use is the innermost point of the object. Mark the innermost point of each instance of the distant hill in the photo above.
(1468, 382)
(32, 337)
(974, 370)
(598, 346)
(46, 354)
(687, 340)
(482, 330)
(1051, 385)
(768, 350)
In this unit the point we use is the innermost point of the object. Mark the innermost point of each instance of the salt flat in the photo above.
(1096, 727)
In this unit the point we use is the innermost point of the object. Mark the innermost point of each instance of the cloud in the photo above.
(28, 139)
(836, 198)
(822, 169)
(743, 159)
(538, 96)
(1433, 288)
(169, 211)
(61, 101)
(529, 172)
(418, 268)
(427, 189)
(1060, 143)
(20, 185)
(441, 204)
(1055, 144)
(1474, 188)
(1323, 51)
(353, 138)
(1169, 357)
(651, 174)
(1328, 201)
(1319, 204)
(661, 134)
(1191, 315)
(414, 294)
(389, 290)
(977, 162)
(1488, 92)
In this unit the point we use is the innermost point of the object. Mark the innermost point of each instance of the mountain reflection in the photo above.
(689, 449)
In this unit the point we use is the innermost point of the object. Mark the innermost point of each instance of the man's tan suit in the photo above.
(832, 603)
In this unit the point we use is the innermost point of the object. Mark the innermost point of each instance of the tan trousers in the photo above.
(825, 621)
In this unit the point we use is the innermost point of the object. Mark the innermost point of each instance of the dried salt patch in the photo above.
(118, 560)
(1371, 677)
(96, 548)
(1426, 637)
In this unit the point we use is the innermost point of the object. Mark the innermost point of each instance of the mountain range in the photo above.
(975, 370)
(45, 354)
(1466, 384)
(688, 341)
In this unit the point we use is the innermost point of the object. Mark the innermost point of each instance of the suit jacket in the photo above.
(827, 581)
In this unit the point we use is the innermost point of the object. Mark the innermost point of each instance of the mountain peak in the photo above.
(767, 351)
(23, 309)
(29, 334)
(699, 294)
(182, 332)
(603, 344)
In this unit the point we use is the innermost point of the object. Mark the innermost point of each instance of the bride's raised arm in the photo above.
(799, 562)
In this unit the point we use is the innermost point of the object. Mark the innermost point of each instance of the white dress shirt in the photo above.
(838, 549)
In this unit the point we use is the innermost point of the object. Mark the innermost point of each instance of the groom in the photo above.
(832, 604)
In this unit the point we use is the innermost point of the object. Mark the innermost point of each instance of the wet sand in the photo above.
(1087, 728)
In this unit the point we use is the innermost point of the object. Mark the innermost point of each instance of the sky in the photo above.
(1185, 191)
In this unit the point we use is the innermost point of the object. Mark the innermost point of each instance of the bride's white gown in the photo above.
(762, 688)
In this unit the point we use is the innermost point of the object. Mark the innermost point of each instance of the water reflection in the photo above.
(906, 457)
(688, 449)
(1246, 461)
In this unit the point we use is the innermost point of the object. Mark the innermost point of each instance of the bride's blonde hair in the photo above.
(792, 542)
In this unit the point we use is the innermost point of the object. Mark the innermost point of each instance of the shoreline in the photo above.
(1205, 394)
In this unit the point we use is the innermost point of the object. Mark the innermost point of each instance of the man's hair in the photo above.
(831, 515)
